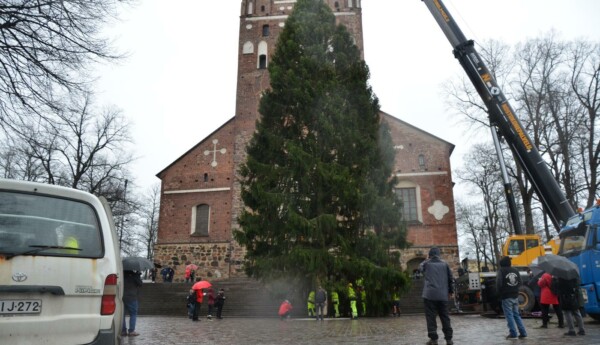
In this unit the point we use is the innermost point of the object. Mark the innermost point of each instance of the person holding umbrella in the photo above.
(547, 299)
(132, 286)
(568, 296)
(568, 288)
(132, 268)
(190, 272)
(199, 287)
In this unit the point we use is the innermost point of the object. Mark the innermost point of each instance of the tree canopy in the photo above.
(317, 186)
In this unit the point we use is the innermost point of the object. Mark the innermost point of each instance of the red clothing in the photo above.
(285, 308)
(188, 272)
(211, 296)
(199, 295)
(546, 296)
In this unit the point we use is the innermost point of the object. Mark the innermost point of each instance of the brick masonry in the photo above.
(207, 173)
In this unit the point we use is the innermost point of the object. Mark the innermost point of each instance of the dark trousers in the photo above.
(432, 310)
(219, 306)
(557, 311)
(196, 311)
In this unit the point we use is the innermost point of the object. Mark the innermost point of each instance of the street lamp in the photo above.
(483, 241)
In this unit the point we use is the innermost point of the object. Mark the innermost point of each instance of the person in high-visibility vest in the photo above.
(335, 300)
(352, 298)
(396, 303)
(363, 300)
(310, 305)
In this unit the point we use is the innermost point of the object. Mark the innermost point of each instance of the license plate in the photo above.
(584, 293)
(15, 306)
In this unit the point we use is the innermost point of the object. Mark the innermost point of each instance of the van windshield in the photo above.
(32, 224)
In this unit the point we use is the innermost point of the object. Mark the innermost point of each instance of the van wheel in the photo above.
(526, 299)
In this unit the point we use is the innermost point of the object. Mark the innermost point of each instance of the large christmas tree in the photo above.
(317, 183)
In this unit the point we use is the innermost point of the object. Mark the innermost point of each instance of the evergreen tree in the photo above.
(319, 201)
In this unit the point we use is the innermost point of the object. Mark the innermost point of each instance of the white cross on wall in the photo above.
(214, 152)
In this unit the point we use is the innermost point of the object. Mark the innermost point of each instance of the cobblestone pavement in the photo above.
(407, 329)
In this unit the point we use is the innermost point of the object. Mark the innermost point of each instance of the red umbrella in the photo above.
(203, 284)
(191, 267)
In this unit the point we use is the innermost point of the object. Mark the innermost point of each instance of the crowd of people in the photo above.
(562, 295)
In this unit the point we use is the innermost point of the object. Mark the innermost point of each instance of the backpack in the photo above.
(554, 285)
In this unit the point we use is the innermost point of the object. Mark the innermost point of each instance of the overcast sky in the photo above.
(179, 82)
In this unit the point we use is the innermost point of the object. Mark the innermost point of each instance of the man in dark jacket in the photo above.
(508, 281)
(570, 302)
(320, 302)
(436, 290)
(131, 293)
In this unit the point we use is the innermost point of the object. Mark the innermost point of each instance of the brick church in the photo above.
(200, 190)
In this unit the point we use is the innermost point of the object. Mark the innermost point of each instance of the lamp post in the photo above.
(483, 241)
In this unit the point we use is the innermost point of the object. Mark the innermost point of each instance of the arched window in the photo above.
(422, 165)
(205, 177)
(262, 62)
(265, 30)
(250, 8)
(200, 220)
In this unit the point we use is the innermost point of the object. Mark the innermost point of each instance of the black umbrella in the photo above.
(135, 263)
(558, 266)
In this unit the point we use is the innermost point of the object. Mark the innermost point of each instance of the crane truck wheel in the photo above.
(595, 316)
(526, 299)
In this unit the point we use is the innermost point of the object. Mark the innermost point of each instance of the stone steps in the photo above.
(245, 298)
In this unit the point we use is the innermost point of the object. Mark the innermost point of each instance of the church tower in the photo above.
(261, 22)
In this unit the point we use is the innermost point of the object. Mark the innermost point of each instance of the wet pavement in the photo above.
(407, 329)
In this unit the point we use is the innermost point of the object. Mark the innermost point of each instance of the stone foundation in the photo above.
(215, 261)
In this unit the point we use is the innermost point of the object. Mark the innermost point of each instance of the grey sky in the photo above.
(178, 84)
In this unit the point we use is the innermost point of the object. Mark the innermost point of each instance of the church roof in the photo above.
(404, 123)
(193, 147)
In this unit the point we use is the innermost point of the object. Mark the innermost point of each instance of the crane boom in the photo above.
(502, 116)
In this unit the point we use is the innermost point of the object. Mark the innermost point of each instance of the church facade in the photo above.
(200, 190)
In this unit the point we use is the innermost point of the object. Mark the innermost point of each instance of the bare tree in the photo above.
(480, 172)
(149, 219)
(584, 58)
(45, 48)
(82, 147)
(470, 218)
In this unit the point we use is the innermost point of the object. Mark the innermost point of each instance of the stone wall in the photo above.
(216, 260)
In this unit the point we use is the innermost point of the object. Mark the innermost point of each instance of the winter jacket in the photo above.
(133, 284)
(546, 296)
(211, 296)
(199, 296)
(438, 279)
(284, 308)
(220, 298)
(320, 296)
(351, 293)
(568, 294)
(508, 280)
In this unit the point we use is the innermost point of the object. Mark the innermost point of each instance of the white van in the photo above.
(60, 267)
